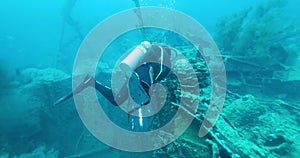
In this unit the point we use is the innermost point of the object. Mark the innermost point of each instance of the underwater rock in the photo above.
(244, 111)
(35, 76)
(41, 85)
(183, 148)
(277, 130)
(40, 152)
(26, 107)
(260, 127)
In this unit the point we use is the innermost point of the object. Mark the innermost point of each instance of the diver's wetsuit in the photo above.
(141, 77)
(146, 75)
(153, 68)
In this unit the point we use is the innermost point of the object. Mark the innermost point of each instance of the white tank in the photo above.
(131, 62)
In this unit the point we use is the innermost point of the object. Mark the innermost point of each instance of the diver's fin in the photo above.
(104, 90)
(88, 81)
(63, 99)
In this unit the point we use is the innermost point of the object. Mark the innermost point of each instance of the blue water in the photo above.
(36, 26)
(47, 35)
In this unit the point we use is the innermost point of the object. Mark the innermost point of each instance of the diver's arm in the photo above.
(160, 55)
(166, 62)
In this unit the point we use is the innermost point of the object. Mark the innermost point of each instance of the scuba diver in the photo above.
(144, 66)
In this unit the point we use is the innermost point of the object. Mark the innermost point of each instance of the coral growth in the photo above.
(258, 31)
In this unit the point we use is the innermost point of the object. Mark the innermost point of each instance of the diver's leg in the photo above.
(106, 92)
(90, 81)
(109, 95)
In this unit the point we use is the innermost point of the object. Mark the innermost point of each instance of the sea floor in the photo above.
(249, 125)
